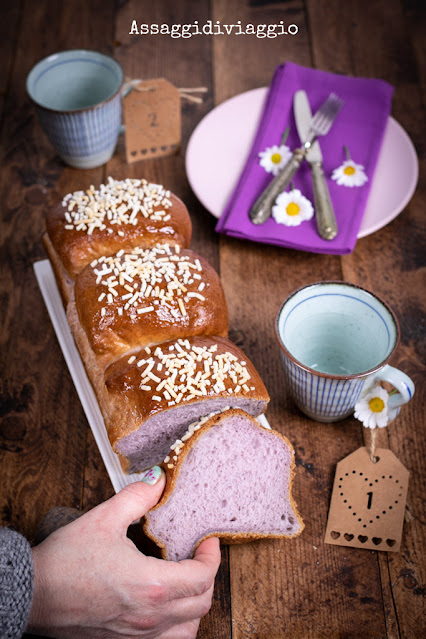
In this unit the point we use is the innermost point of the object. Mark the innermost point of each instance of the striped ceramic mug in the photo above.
(77, 95)
(336, 341)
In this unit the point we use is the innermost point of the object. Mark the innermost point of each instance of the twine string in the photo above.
(185, 92)
(373, 445)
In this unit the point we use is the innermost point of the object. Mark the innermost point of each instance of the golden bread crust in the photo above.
(150, 322)
(128, 405)
(93, 368)
(77, 248)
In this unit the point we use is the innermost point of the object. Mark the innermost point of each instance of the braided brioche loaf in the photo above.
(148, 315)
(119, 215)
(153, 396)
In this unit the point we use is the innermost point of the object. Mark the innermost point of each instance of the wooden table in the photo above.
(294, 589)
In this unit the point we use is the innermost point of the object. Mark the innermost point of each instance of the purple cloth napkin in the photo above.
(360, 126)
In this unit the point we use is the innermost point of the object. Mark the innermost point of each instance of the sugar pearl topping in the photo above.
(119, 202)
(177, 446)
(144, 280)
(183, 371)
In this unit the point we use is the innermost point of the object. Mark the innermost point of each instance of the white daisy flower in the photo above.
(350, 174)
(274, 158)
(372, 409)
(292, 208)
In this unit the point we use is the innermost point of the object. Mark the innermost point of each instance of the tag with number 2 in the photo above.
(152, 119)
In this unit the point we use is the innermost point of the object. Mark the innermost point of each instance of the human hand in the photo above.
(92, 582)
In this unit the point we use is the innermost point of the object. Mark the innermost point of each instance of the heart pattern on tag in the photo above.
(368, 501)
(152, 115)
(373, 487)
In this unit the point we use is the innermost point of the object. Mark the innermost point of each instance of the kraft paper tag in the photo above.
(152, 119)
(368, 501)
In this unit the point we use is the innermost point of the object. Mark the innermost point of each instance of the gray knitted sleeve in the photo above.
(16, 583)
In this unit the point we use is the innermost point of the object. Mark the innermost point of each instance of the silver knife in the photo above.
(324, 212)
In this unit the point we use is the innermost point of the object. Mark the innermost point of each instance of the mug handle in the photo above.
(403, 384)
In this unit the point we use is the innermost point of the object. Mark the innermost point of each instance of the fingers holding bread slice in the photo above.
(230, 478)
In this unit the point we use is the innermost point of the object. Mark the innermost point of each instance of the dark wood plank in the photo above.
(363, 566)
(401, 575)
(415, 20)
(407, 573)
(243, 62)
(390, 264)
(43, 428)
(277, 600)
(8, 39)
(367, 40)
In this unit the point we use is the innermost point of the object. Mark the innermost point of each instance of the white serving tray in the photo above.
(52, 299)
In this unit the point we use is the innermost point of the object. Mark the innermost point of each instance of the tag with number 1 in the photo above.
(368, 501)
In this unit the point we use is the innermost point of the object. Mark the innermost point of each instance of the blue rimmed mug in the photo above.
(336, 340)
(77, 95)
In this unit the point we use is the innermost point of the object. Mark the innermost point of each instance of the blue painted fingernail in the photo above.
(152, 475)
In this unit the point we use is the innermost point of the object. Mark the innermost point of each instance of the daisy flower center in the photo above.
(292, 208)
(376, 404)
(349, 170)
(276, 158)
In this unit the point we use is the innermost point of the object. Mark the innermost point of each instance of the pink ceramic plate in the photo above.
(219, 146)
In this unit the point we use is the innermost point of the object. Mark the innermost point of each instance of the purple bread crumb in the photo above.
(150, 444)
(234, 479)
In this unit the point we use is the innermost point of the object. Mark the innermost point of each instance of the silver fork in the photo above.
(320, 125)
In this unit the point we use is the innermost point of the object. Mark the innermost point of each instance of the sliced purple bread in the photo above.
(153, 396)
(228, 477)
